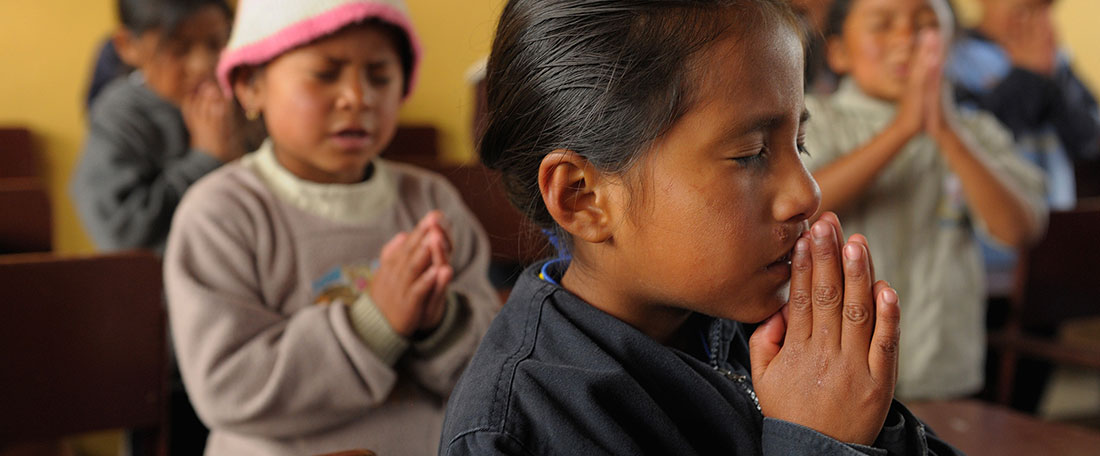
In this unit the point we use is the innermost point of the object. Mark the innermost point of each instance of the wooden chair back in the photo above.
(17, 154)
(1087, 175)
(26, 222)
(84, 346)
(415, 144)
(514, 240)
(1059, 278)
(512, 237)
(1056, 282)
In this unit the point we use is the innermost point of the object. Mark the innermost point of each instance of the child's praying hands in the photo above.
(922, 107)
(213, 123)
(830, 361)
(410, 285)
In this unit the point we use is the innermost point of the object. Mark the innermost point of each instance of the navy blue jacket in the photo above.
(555, 375)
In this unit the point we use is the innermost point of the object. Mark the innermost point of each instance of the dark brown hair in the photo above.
(140, 16)
(602, 78)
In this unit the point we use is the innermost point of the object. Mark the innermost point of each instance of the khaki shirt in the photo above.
(922, 235)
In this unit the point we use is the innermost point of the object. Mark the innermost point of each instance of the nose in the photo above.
(355, 93)
(798, 197)
(904, 33)
(201, 61)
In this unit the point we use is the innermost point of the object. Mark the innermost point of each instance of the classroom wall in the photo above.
(48, 51)
(48, 48)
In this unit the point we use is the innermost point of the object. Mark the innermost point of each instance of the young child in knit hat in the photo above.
(320, 298)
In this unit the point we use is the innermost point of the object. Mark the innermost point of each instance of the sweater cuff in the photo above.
(375, 331)
(198, 163)
(446, 327)
(784, 437)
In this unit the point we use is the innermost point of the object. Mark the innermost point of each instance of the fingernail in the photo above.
(852, 252)
(821, 231)
(890, 296)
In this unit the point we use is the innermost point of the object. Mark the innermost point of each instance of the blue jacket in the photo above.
(1055, 119)
(555, 375)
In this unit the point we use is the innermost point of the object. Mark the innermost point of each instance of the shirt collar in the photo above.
(351, 203)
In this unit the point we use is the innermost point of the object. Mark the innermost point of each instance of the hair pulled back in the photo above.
(601, 78)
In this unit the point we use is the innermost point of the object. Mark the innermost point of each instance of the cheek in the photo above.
(385, 114)
(298, 110)
(869, 53)
(389, 105)
(704, 224)
(167, 77)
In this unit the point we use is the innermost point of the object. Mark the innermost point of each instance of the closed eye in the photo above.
(803, 150)
(754, 159)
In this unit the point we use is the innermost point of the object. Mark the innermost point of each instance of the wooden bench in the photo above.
(984, 429)
(84, 347)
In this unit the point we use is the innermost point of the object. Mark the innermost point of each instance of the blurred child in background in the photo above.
(153, 133)
(1012, 66)
(320, 298)
(899, 164)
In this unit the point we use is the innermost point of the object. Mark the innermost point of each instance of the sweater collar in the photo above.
(350, 203)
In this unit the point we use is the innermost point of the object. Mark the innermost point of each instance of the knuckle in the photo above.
(856, 313)
(800, 301)
(857, 272)
(827, 295)
(802, 266)
(824, 252)
(888, 346)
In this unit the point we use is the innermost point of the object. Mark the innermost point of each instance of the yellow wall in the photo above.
(48, 45)
(48, 49)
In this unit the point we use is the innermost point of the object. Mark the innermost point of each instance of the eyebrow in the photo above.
(765, 122)
(375, 64)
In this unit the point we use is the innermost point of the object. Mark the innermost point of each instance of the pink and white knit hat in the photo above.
(265, 29)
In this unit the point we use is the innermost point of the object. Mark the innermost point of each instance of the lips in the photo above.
(352, 137)
(789, 234)
(784, 260)
(352, 133)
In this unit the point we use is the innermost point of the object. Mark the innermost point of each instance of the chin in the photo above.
(752, 311)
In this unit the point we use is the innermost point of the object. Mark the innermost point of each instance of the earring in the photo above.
(252, 115)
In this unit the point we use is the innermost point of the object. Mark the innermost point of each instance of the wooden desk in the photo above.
(981, 428)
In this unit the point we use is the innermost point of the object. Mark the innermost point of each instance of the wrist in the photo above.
(943, 132)
(902, 130)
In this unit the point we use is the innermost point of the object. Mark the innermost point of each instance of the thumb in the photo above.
(764, 343)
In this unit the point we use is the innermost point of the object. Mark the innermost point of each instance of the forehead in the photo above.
(896, 6)
(1015, 4)
(757, 69)
(208, 20)
(359, 40)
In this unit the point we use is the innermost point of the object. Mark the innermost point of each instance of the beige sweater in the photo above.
(259, 270)
(923, 236)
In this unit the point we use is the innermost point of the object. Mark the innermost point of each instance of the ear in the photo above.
(576, 195)
(129, 47)
(249, 88)
(837, 55)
